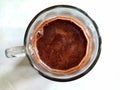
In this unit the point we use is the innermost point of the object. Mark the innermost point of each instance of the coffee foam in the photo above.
(83, 62)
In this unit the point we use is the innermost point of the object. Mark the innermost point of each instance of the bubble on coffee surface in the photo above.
(40, 33)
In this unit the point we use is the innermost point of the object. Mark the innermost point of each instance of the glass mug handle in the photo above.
(17, 51)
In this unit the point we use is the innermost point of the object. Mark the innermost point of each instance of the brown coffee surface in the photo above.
(62, 45)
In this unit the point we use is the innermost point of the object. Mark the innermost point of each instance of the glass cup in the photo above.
(75, 13)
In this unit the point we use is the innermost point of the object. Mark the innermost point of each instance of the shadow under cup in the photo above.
(88, 26)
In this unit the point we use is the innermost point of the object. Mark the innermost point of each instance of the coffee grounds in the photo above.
(62, 45)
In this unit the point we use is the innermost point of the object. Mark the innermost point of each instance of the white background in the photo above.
(17, 74)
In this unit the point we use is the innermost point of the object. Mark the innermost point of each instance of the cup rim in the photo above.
(99, 45)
